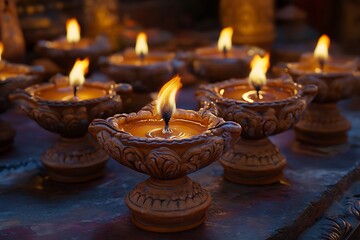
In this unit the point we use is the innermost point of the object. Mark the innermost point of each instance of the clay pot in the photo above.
(255, 159)
(15, 76)
(168, 201)
(74, 157)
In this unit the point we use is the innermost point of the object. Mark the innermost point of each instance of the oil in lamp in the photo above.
(145, 70)
(64, 51)
(13, 76)
(263, 107)
(66, 106)
(224, 61)
(323, 125)
(167, 144)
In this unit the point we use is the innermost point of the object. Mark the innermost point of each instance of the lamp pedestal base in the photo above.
(322, 125)
(254, 162)
(7, 134)
(174, 205)
(74, 160)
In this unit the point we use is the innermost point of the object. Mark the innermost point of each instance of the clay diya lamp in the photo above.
(323, 124)
(166, 149)
(13, 76)
(224, 61)
(145, 71)
(66, 106)
(64, 51)
(263, 108)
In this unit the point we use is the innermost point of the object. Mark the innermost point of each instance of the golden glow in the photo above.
(225, 41)
(259, 67)
(72, 30)
(141, 47)
(76, 76)
(166, 97)
(322, 48)
(1, 49)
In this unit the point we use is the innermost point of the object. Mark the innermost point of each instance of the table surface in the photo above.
(34, 207)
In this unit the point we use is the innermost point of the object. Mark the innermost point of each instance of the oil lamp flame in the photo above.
(141, 47)
(1, 50)
(76, 76)
(166, 105)
(72, 30)
(321, 51)
(259, 67)
(224, 42)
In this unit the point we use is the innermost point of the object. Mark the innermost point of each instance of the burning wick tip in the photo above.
(142, 57)
(225, 51)
(322, 64)
(257, 89)
(166, 116)
(75, 92)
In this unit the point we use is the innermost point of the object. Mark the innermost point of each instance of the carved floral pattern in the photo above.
(69, 119)
(332, 88)
(336, 229)
(180, 197)
(27, 76)
(259, 119)
(161, 158)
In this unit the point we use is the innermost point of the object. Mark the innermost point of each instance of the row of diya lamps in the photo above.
(168, 143)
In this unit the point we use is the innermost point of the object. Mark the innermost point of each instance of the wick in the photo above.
(322, 64)
(257, 89)
(75, 92)
(225, 51)
(166, 116)
(142, 57)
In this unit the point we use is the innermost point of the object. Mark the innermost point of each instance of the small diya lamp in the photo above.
(13, 76)
(167, 144)
(263, 107)
(224, 61)
(66, 106)
(323, 124)
(64, 51)
(145, 71)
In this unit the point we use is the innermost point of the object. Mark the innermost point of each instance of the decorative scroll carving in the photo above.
(336, 229)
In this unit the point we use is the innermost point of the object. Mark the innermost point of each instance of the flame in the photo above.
(1, 49)
(322, 48)
(72, 30)
(141, 47)
(225, 39)
(166, 98)
(259, 67)
(77, 73)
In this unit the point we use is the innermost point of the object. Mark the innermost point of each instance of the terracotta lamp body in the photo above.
(74, 157)
(212, 65)
(64, 54)
(168, 201)
(13, 76)
(145, 76)
(323, 124)
(255, 160)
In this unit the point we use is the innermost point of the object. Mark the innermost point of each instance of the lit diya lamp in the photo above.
(321, 58)
(224, 61)
(64, 51)
(167, 144)
(323, 124)
(67, 105)
(145, 71)
(13, 76)
(263, 107)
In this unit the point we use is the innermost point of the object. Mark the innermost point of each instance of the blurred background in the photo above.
(295, 21)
